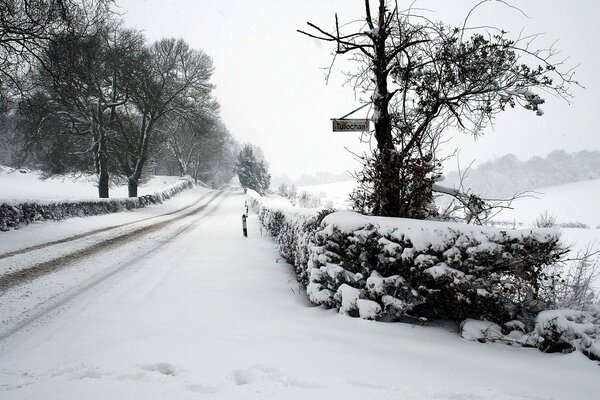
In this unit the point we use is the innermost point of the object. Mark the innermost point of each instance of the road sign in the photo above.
(350, 125)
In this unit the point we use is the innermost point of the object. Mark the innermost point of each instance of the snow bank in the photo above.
(13, 213)
(481, 331)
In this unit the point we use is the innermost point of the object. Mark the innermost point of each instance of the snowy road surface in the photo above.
(194, 310)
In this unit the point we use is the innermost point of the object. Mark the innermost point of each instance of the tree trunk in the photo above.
(100, 156)
(196, 169)
(387, 183)
(103, 168)
(142, 156)
(132, 187)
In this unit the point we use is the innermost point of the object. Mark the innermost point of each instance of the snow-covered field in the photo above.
(336, 193)
(570, 203)
(17, 185)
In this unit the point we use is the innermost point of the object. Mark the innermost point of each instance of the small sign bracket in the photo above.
(352, 112)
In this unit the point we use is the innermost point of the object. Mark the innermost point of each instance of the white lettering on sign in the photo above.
(350, 125)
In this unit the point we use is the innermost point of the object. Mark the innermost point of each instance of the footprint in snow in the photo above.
(262, 373)
(163, 368)
(198, 388)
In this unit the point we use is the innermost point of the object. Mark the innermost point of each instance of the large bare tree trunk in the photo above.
(100, 156)
(134, 179)
(103, 178)
(387, 187)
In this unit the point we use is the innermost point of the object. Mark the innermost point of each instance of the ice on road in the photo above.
(211, 314)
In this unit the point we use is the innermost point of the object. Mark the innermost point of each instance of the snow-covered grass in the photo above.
(571, 202)
(215, 315)
(332, 194)
(30, 185)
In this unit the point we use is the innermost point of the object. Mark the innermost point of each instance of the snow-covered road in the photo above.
(195, 310)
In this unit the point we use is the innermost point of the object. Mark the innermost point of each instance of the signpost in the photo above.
(350, 125)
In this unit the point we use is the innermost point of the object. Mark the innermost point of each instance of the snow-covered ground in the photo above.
(570, 203)
(17, 185)
(335, 193)
(204, 312)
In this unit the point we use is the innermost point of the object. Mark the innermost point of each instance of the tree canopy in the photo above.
(424, 77)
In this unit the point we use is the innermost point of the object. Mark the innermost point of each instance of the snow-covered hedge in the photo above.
(430, 269)
(492, 280)
(14, 213)
(555, 331)
(391, 268)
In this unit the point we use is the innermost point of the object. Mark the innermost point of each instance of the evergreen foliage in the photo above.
(252, 171)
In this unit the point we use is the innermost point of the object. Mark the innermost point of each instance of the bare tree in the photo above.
(185, 135)
(172, 82)
(27, 26)
(216, 158)
(83, 83)
(424, 77)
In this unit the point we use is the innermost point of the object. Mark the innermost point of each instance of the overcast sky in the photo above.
(272, 90)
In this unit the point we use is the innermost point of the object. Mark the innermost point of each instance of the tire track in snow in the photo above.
(58, 301)
(94, 232)
(11, 279)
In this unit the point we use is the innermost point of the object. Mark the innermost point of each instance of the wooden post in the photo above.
(244, 227)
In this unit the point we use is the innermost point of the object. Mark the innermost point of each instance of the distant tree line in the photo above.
(81, 93)
(508, 175)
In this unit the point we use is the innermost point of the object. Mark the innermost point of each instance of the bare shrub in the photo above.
(576, 288)
(308, 200)
(545, 220)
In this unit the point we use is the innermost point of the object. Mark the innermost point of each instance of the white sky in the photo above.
(272, 89)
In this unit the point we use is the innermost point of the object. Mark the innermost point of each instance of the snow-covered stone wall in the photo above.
(14, 213)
